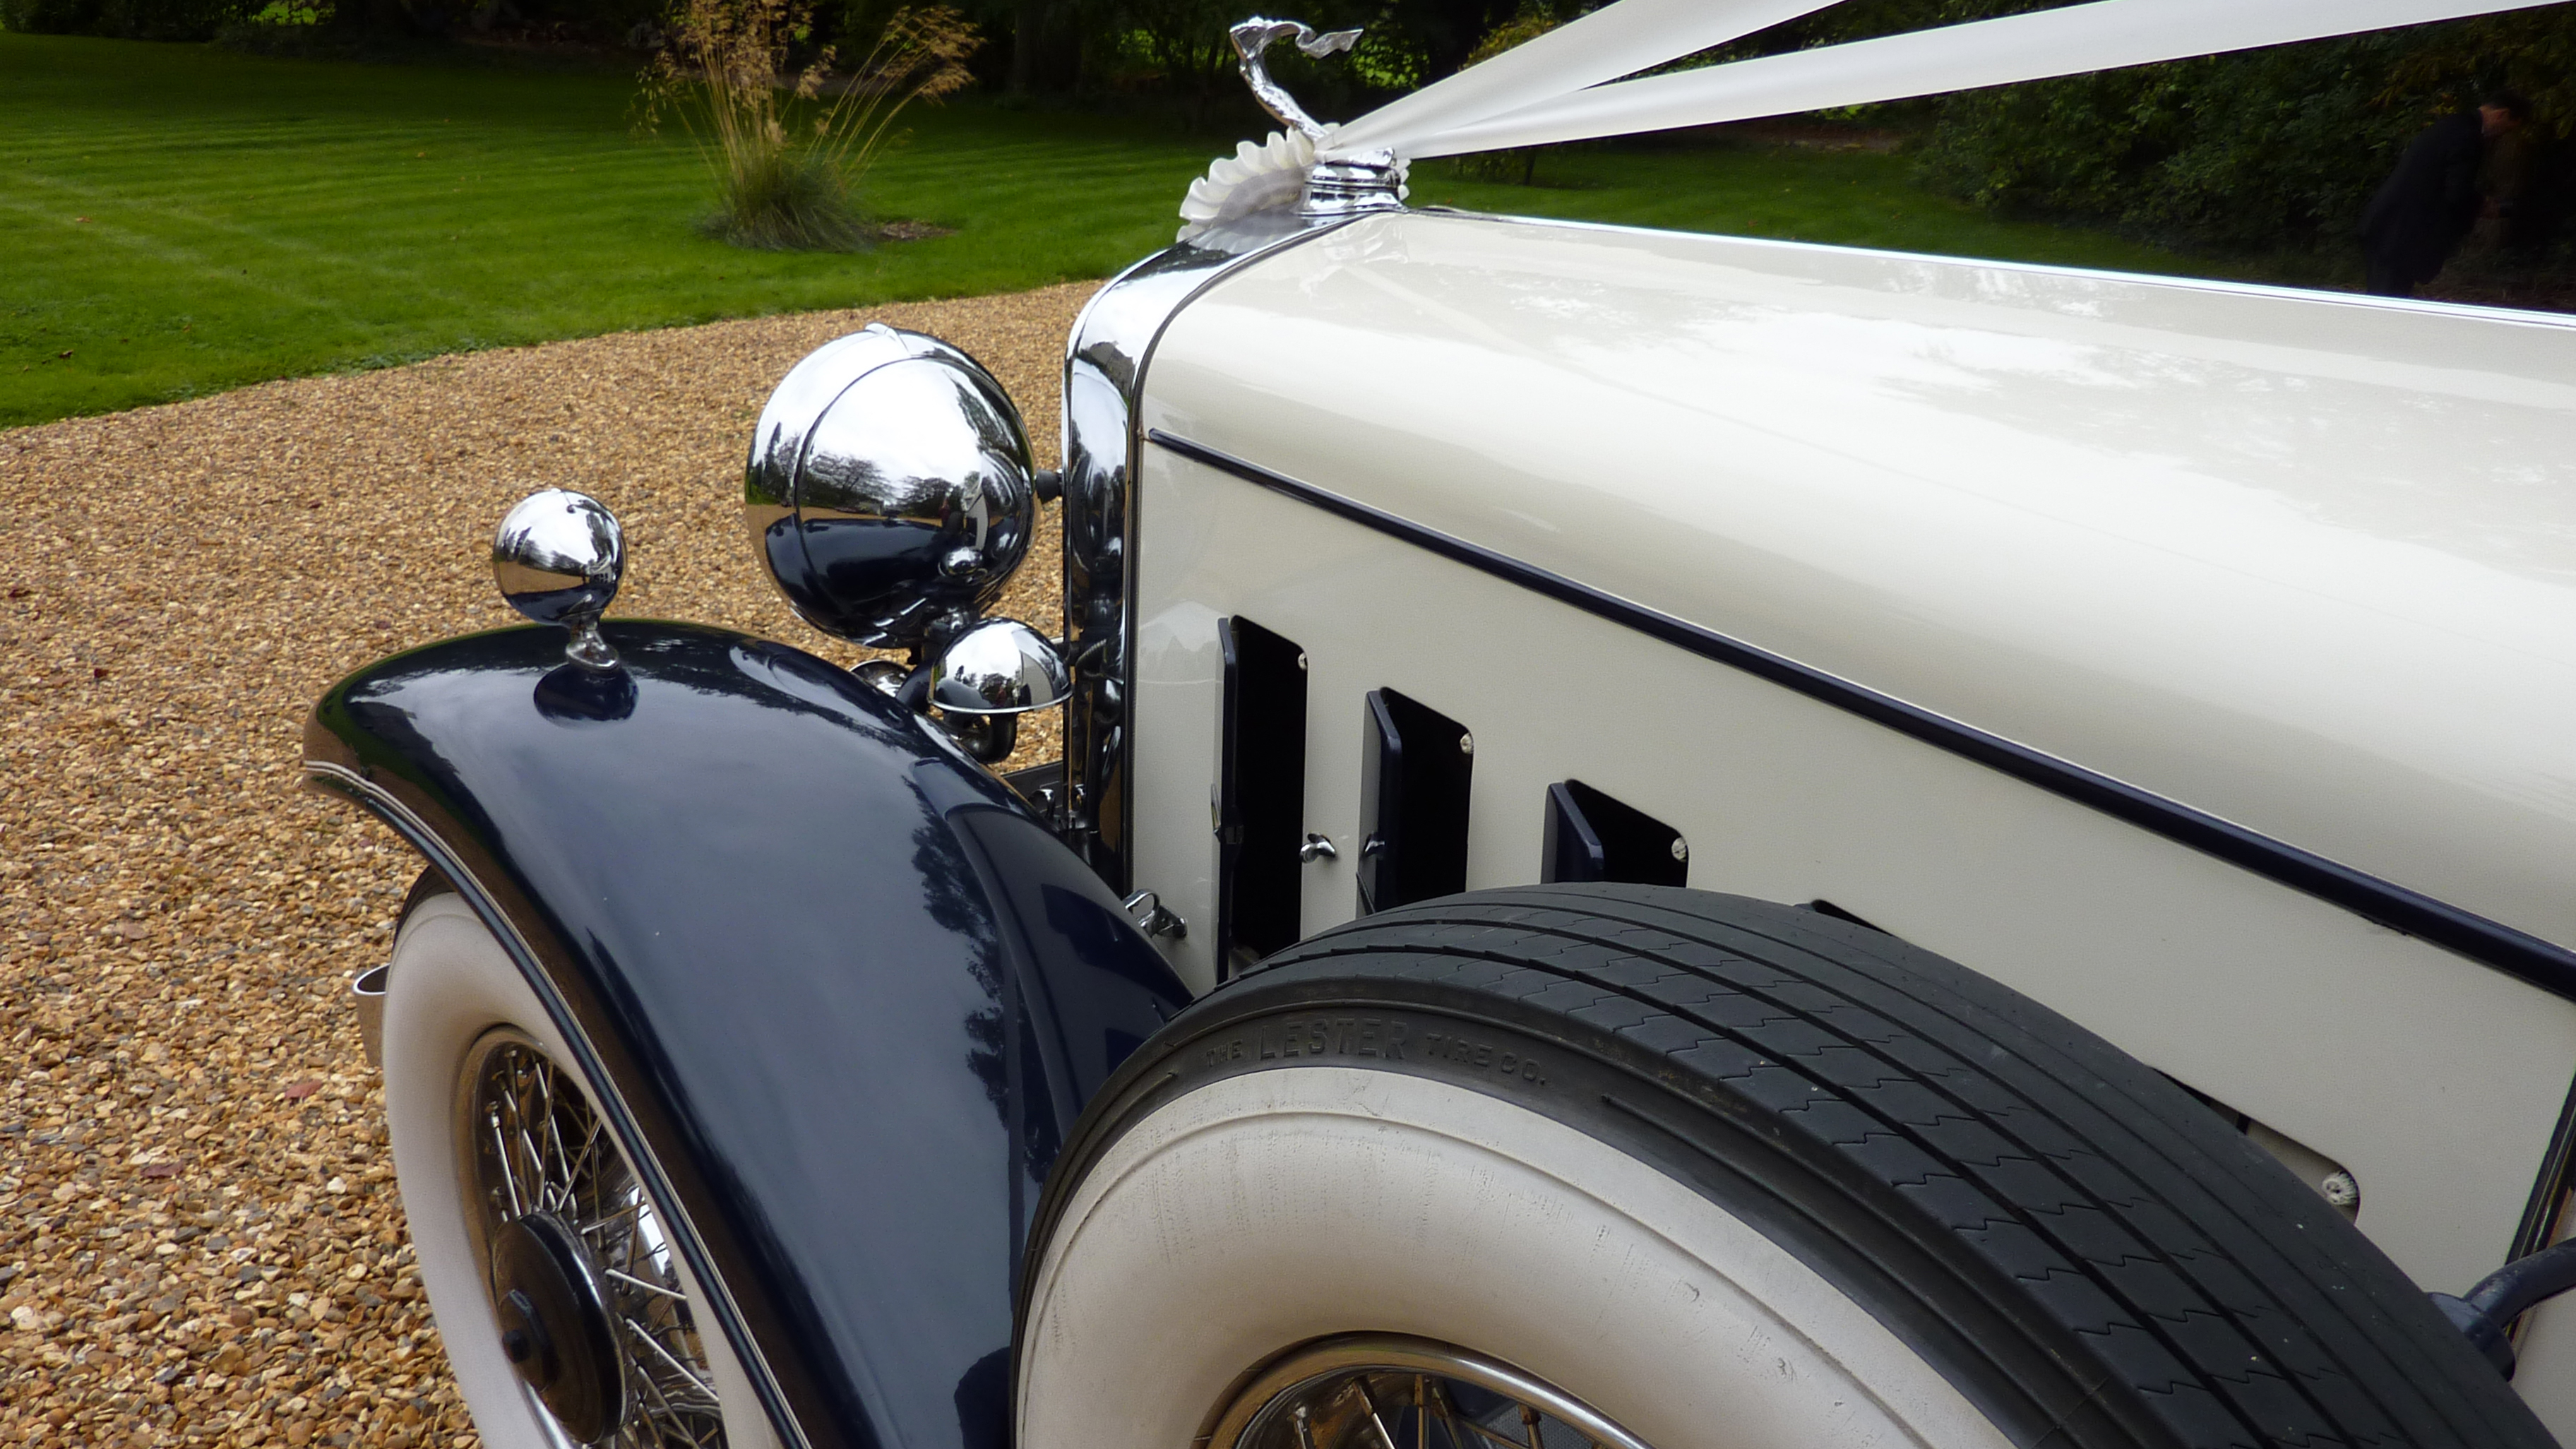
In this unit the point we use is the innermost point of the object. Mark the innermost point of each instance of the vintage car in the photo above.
(1661, 841)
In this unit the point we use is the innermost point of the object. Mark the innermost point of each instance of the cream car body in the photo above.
(2302, 565)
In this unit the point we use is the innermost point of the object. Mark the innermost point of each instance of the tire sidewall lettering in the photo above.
(1419, 1043)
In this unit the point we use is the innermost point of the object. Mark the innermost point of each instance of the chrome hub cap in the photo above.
(1385, 1391)
(555, 1324)
(585, 1285)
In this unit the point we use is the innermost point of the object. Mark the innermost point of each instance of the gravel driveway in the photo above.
(200, 1241)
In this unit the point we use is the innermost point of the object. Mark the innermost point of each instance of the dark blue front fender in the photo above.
(846, 992)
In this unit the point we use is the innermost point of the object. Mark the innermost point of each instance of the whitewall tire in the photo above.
(1648, 1166)
(465, 1037)
(1279, 1208)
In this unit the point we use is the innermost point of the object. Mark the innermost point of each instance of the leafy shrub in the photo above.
(2259, 151)
(2238, 151)
(49, 17)
(1520, 163)
(125, 19)
(2229, 151)
(2249, 152)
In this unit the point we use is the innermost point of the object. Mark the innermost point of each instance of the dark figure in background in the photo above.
(2425, 208)
(2516, 183)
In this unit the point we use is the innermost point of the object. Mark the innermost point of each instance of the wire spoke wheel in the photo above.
(584, 1280)
(1388, 1391)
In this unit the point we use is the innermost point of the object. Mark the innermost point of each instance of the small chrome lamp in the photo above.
(558, 557)
(998, 667)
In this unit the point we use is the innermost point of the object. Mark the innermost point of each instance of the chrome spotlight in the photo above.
(1000, 666)
(988, 676)
(889, 489)
(558, 557)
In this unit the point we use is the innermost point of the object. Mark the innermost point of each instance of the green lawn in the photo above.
(1844, 197)
(181, 220)
(176, 220)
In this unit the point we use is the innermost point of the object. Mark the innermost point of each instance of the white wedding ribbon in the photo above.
(1551, 90)
(1615, 40)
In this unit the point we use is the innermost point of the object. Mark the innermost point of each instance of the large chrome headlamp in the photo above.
(890, 494)
(889, 489)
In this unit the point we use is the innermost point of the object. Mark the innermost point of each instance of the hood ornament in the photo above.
(1259, 177)
(1252, 37)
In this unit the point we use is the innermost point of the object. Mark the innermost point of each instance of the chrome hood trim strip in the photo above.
(1104, 378)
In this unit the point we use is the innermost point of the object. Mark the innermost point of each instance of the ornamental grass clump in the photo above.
(790, 147)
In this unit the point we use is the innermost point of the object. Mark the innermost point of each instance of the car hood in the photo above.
(2305, 562)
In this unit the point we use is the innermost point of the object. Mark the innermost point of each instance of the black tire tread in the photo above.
(2202, 1275)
